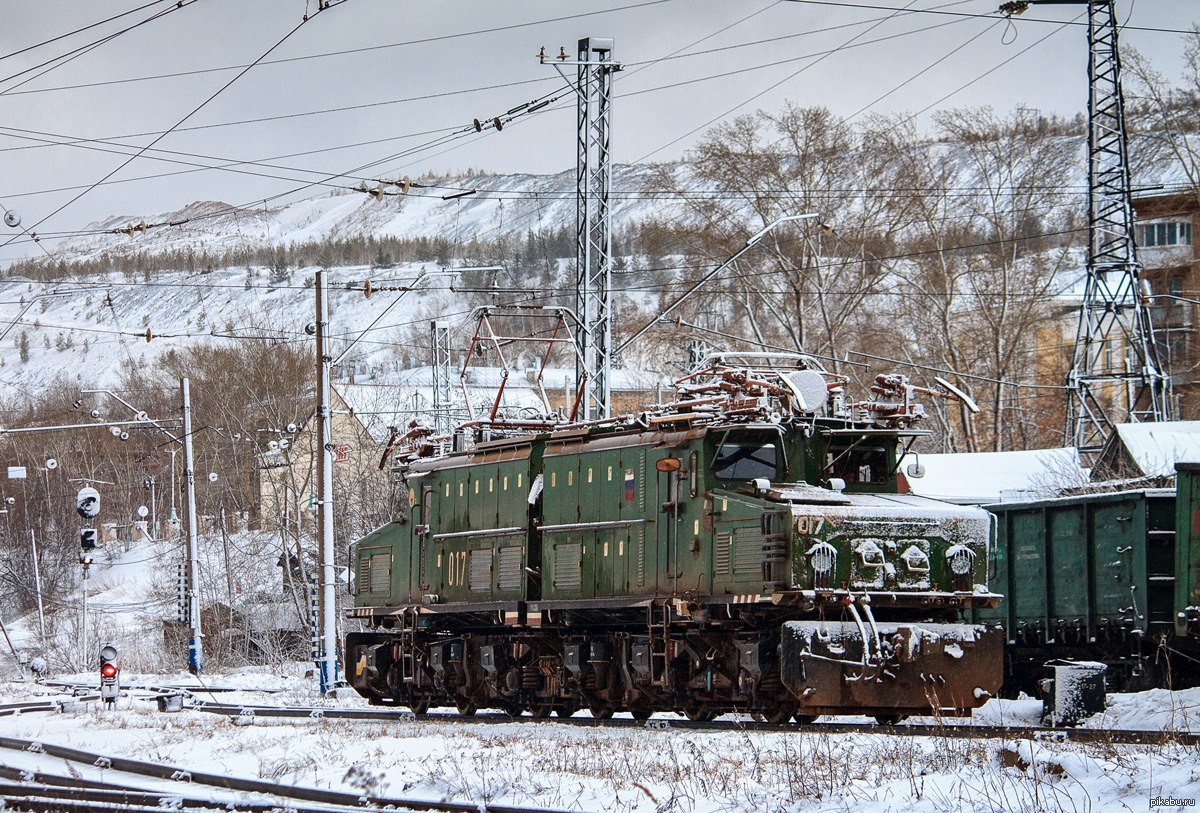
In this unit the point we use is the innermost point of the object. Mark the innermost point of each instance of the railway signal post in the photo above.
(87, 505)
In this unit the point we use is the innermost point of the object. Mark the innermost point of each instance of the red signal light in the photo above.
(108, 670)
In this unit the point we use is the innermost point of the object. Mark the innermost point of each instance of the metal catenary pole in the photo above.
(327, 666)
(83, 644)
(195, 641)
(1116, 375)
(593, 235)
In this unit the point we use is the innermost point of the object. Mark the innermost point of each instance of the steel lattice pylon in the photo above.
(1115, 374)
(593, 237)
(440, 345)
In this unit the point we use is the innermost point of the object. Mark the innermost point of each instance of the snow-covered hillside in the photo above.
(91, 330)
(460, 208)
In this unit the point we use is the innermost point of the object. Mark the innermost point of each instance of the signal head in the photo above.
(87, 502)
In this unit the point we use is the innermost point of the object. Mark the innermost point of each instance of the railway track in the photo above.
(52, 704)
(41, 791)
(248, 713)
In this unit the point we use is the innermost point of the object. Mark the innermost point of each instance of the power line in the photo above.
(975, 15)
(191, 113)
(362, 50)
(64, 58)
(768, 89)
(81, 29)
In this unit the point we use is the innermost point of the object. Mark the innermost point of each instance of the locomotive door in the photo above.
(626, 487)
(601, 502)
(668, 512)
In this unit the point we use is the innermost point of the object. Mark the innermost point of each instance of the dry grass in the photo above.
(664, 771)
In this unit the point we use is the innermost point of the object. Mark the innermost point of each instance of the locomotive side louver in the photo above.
(915, 559)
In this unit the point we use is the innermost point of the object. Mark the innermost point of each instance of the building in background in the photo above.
(1165, 229)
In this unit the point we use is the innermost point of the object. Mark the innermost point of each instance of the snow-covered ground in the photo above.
(602, 769)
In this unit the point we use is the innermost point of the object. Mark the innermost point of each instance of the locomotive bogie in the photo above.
(805, 668)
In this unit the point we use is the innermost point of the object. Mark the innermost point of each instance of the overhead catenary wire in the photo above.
(83, 28)
(976, 15)
(70, 55)
(190, 113)
(342, 52)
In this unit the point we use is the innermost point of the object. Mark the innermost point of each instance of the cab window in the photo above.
(746, 460)
(860, 464)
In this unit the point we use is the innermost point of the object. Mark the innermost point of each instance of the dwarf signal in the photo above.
(110, 675)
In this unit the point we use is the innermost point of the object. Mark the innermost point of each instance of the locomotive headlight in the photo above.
(822, 557)
(961, 559)
(915, 559)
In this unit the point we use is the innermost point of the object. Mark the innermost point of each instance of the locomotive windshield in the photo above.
(860, 464)
(746, 460)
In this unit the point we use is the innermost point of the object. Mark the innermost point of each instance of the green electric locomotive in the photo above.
(744, 548)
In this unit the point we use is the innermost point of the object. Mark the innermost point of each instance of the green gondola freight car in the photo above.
(1110, 577)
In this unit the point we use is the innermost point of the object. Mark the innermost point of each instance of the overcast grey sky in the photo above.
(429, 68)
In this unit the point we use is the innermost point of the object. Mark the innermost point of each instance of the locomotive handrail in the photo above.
(579, 526)
(483, 532)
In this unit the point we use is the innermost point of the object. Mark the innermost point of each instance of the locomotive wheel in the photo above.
(602, 712)
(565, 711)
(641, 713)
(699, 713)
(466, 707)
(806, 719)
(890, 719)
(541, 711)
(779, 716)
(419, 704)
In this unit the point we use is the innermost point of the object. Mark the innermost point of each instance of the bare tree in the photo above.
(986, 254)
(805, 287)
(1164, 118)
